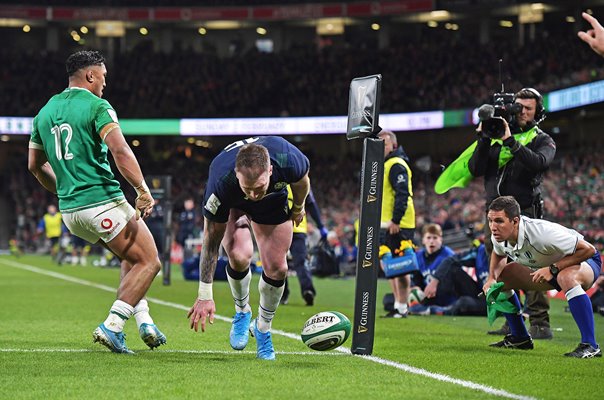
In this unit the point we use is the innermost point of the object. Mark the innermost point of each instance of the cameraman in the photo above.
(520, 177)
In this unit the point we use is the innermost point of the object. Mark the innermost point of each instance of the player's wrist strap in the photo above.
(142, 188)
(297, 207)
(205, 291)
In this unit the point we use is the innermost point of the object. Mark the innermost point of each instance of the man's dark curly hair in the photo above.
(83, 59)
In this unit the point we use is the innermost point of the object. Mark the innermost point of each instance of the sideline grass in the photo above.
(43, 312)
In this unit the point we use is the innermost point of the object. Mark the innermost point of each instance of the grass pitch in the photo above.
(48, 313)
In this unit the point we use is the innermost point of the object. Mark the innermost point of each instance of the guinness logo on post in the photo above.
(371, 198)
(361, 329)
(366, 264)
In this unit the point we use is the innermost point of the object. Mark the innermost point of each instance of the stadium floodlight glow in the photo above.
(26, 28)
(506, 24)
(570, 19)
(202, 143)
(143, 31)
(223, 24)
(136, 143)
(12, 22)
(528, 14)
(440, 14)
(84, 29)
(432, 24)
(4, 138)
(261, 31)
(330, 26)
(76, 37)
(110, 28)
(538, 6)
(202, 30)
(375, 26)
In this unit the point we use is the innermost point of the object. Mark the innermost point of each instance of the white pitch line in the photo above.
(404, 367)
(223, 352)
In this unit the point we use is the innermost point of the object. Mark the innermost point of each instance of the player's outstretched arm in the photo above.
(593, 37)
(204, 307)
(126, 163)
(38, 165)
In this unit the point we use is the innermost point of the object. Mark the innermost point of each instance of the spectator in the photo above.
(451, 278)
(429, 258)
(186, 222)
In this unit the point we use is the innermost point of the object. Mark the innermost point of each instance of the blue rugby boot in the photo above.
(114, 341)
(264, 344)
(151, 335)
(240, 332)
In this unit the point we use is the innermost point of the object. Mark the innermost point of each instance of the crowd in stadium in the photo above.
(435, 70)
(571, 190)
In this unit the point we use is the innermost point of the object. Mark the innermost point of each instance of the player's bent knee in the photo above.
(275, 271)
(151, 264)
(240, 263)
(277, 275)
(568, 281)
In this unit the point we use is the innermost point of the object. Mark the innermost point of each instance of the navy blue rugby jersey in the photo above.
(222, 190)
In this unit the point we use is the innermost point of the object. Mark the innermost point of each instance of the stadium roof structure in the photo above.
(282, 10)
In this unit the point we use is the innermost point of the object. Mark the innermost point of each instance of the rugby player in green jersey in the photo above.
(68, 155)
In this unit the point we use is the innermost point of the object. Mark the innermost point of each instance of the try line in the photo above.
(403, 367)
(223, 352)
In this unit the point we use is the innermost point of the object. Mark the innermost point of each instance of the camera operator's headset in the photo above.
(540, 111)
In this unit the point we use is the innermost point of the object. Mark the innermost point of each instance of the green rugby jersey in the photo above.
(67, 129)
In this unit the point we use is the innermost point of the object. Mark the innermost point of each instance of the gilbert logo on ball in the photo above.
(326, 330)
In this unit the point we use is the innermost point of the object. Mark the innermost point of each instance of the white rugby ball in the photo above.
(326, 330)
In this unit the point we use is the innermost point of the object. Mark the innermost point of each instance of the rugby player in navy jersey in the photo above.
(247, 189)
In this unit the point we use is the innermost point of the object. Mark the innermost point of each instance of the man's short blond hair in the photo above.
(252, 159)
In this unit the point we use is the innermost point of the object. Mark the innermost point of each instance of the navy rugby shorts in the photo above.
(595, 262)
(271, 210)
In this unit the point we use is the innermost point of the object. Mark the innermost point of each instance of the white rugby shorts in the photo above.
(103, 222)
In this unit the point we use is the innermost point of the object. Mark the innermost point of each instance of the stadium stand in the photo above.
(434, 70)
(571, 195)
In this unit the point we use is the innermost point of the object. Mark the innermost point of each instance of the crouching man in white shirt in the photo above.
(545, 256)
